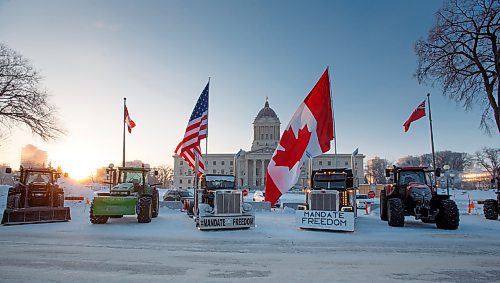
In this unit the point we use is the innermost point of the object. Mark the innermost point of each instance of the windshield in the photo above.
(340, 184)
(220, 182)
(185, 194)
(131, 177)
(362, 196)
(405, 177)
(38, 177)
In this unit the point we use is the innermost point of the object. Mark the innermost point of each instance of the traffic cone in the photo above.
(367, 208)
(87, 201)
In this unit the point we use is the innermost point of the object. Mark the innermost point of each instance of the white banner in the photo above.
(226, 222)
(329, 220)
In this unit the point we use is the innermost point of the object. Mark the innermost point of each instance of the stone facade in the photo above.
(251, 165)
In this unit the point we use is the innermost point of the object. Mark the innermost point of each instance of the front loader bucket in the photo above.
(35, 215)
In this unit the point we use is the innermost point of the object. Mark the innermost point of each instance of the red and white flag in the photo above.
(308, 134)
(417, 114)
(130, 123)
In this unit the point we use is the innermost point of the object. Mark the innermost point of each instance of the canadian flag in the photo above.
(415, 115)
(130, 123)
(308, 134)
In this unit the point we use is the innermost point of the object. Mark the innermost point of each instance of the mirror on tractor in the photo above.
(387, 172)
(156, 172)
(66, 175)
(8, 170)
(438, 172)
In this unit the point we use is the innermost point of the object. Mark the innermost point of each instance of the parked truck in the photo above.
(219, 204)
(330, 201)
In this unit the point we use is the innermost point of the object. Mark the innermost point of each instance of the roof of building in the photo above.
(266, 112)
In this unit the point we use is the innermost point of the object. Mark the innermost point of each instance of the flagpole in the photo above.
(206, 139)
(333, 117)
(124, 105)
(432, 138)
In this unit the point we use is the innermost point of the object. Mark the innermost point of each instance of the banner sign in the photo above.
(226, 222)
(329, 220)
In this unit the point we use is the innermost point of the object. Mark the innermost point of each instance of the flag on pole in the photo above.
(130, 123)
(196, 130)
(417, 114)
(308, 134)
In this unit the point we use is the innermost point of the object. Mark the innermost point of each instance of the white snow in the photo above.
(170, 248)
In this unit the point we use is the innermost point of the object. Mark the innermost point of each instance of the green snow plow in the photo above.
(130, 194)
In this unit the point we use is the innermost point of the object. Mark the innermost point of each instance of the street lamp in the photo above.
(446, 167)
(452, 177)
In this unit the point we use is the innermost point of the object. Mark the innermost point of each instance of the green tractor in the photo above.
(130, 194)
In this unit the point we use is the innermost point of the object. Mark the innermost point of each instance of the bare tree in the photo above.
(376, 170)
(22, 99)
(489, 159)
(457, 161)
(165, 175)
(462, 54)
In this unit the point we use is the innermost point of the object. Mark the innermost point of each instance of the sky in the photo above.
(160, 54)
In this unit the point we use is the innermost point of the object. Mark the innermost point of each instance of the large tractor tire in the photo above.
(490, 209)
(383, 205)
(448, 217)
(395, 213)
(156, 204)
(94, 219)
(145, 210)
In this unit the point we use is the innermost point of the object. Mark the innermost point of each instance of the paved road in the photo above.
(171, 250)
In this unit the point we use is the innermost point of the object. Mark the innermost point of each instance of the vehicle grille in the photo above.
(228, 202)
(323, 201)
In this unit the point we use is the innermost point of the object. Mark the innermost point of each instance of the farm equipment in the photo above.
(330, 202)
(410, 192)
(218, 204)
(130, 194)
(491, 207)
(36, 198)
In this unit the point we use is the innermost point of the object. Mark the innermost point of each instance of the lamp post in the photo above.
(446, 167)
(452, 177)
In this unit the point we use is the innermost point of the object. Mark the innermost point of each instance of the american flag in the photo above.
(196, 130)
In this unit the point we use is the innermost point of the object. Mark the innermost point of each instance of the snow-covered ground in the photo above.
(171, 249)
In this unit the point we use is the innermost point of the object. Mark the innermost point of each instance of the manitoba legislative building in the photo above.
(250, 169)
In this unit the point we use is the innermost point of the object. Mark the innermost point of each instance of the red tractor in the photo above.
(410, 192)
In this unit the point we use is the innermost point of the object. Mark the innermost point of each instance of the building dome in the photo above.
(266, 112)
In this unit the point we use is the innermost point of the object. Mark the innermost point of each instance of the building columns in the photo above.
(254, 171)
(263, 170)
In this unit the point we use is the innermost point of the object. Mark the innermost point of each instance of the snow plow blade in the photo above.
(35, 215)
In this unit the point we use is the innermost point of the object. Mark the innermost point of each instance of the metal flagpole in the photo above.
(334, 128)
(195, 208)
(432, 138)
(206, 139)
(124, 117)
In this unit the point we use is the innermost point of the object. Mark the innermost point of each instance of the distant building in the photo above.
(476, 180)
(31, 156)
(251, 165)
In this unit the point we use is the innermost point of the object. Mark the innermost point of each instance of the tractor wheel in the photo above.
(490, 209)
(448, 217)
(395, 213)
(145, 210)
(94, 219)
(383, 205)
(156, 204)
